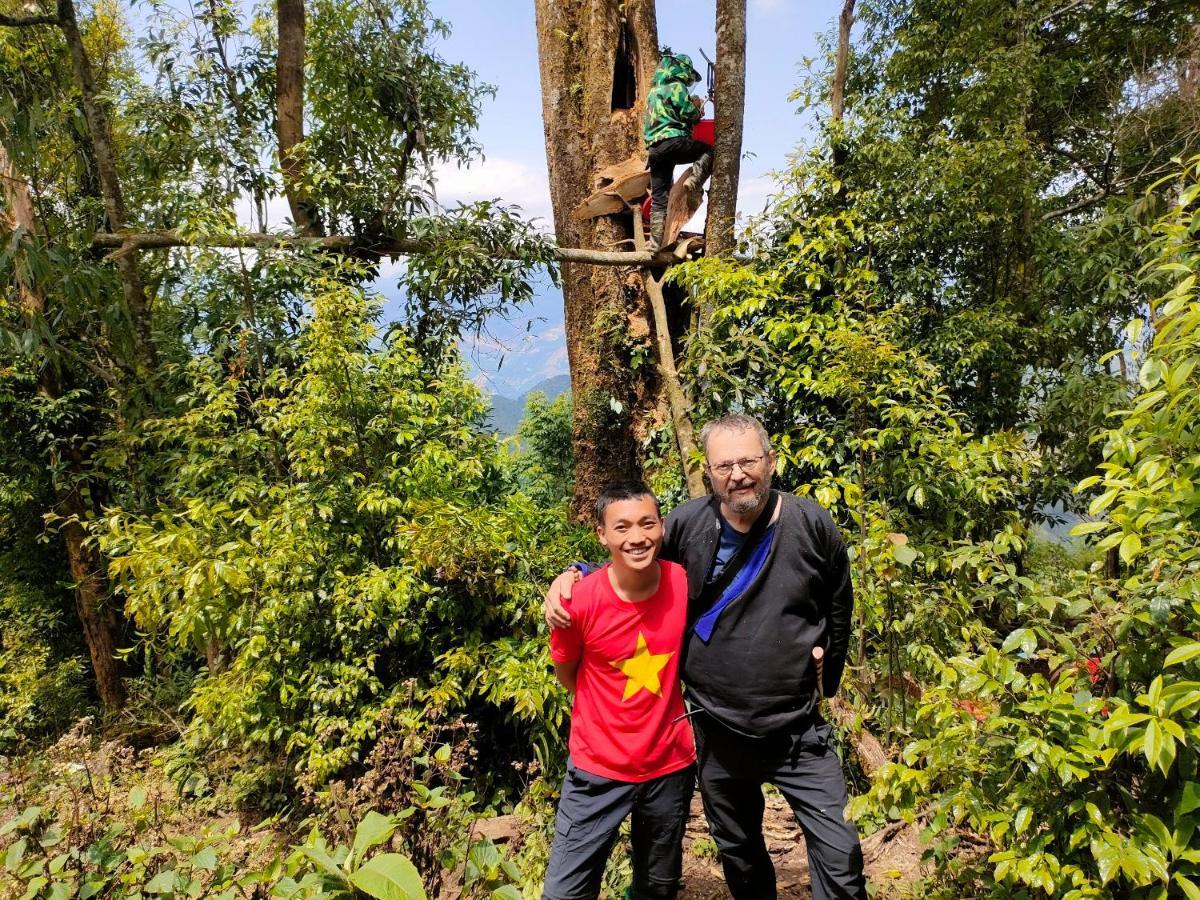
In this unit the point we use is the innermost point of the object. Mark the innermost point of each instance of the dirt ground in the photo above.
(892, 857)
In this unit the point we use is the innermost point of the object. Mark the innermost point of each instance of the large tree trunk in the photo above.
(289, 108)
(594, 120)
(730, 100)
(100, 132)
(96, 617)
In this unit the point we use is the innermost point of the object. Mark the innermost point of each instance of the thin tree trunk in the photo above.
(841, 65)
(605, 309)
(96, 617)
(289, 107)
(837, 99)
(100, 131)
(730, 103)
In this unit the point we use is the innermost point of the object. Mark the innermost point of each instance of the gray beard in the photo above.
(748, 505)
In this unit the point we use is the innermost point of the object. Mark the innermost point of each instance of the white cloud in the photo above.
(753, 193)
(277, 213)
(510, 180)
(769, 6)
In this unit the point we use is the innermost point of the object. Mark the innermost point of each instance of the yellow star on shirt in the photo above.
(642, 669)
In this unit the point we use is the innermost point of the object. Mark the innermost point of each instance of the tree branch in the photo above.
(125, 243)
(100, 131)
(27, 21)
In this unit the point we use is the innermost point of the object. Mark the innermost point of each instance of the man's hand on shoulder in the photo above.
(553, 609)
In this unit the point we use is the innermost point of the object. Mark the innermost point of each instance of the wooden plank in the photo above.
(614, 198)
(618, 171)
(681, 206)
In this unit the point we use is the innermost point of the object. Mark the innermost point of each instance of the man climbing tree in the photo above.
(670, 114)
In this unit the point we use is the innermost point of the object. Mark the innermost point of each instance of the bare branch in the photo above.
(125, 243)
(837, 102)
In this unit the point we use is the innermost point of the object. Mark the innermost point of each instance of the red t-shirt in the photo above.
(626, 722)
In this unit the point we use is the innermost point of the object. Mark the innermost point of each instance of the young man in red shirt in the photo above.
(631, 744)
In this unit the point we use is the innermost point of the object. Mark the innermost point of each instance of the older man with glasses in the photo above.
(768, 582)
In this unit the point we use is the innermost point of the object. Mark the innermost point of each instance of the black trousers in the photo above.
(590, 812)
(664, 157)
(807, 771)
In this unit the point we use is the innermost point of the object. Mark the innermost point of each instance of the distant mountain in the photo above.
(507, 412)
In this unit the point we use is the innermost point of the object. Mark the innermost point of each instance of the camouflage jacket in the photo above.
(669, 108)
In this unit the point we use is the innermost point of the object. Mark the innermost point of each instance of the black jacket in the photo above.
(756, 674)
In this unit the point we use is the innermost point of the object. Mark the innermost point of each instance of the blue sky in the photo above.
(499, 41)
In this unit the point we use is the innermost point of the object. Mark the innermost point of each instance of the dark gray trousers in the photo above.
(590, 812)
(663, 158)
(806, 770)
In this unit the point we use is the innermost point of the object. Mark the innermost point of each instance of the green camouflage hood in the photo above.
(676, 67)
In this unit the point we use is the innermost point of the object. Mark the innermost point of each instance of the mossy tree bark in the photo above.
(585, 49)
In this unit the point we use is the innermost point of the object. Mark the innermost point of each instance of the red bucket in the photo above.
(705, 132)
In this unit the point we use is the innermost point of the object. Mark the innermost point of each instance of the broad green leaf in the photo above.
(1150, 373)
(1024, 817)
(1182, 654)
(205, 860)
(1190, 889)
(28, 816)
(327, 864)
(16, 852)
(1189, 799)
(162, 883)
(372, 831)
(1131, 546)
(389, 876)
(1153, 742)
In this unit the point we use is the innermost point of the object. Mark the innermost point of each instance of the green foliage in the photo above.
(541, 458)
(335, 548)
(810, 340)
(95, 818)
(386, 109)
(480, 265)
(41, 691)
(1072, 744)
(994, 154)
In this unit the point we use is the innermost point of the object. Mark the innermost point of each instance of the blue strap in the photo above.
(743, 579)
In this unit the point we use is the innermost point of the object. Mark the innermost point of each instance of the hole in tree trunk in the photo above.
(624, 90)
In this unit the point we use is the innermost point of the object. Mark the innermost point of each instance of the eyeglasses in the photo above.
(749, 465)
